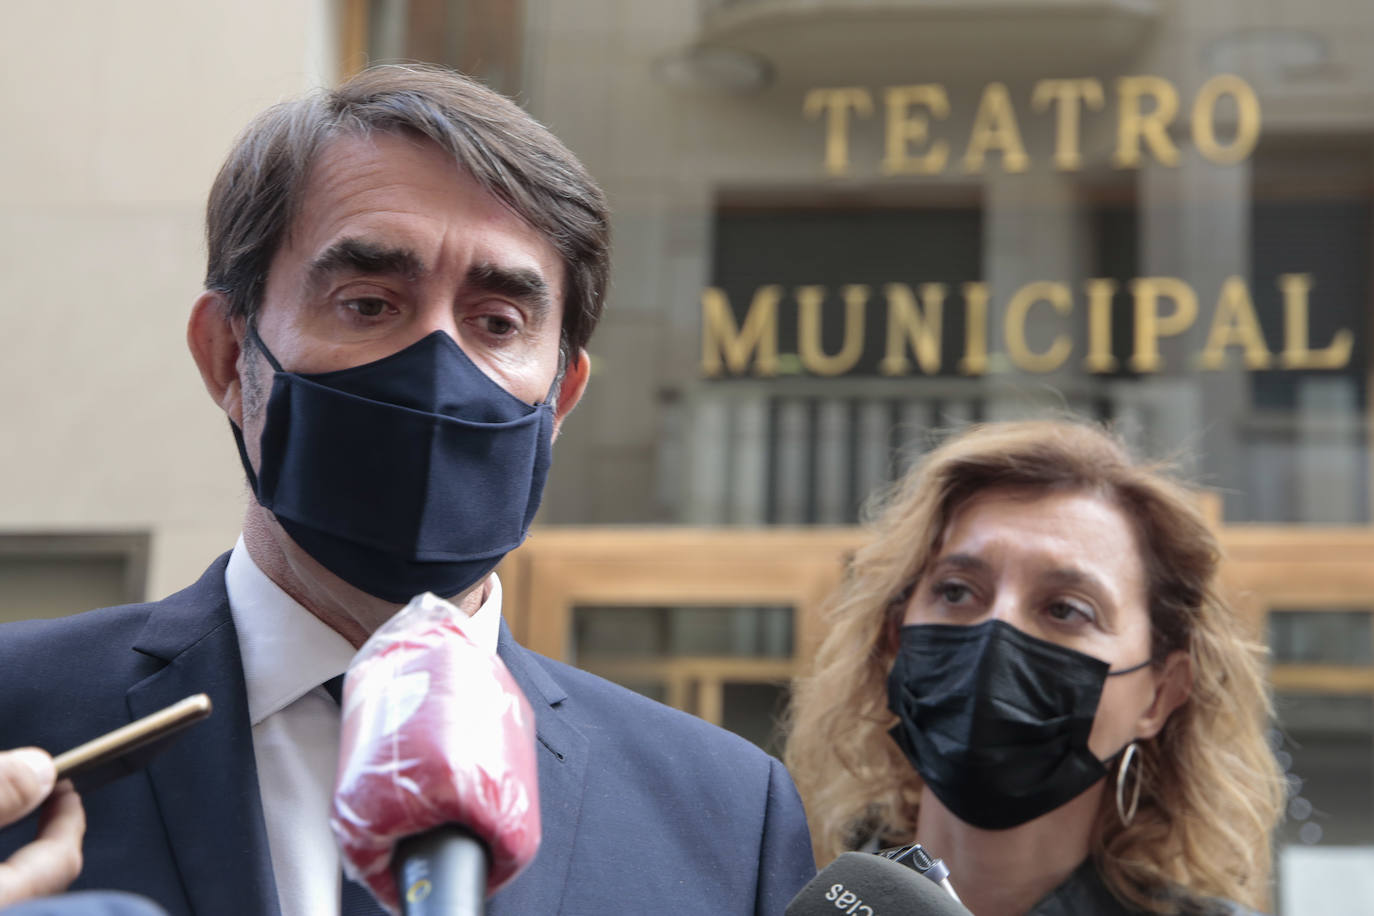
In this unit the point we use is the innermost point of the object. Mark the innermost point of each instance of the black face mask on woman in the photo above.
(995, 721)
(412, 473)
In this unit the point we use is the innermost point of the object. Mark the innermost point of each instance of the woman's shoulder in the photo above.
(1085, 892)
(1215, 907)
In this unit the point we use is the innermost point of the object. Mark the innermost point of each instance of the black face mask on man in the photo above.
(412, 473)
(996, 721)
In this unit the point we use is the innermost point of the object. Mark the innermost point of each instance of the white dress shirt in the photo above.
(288, 653)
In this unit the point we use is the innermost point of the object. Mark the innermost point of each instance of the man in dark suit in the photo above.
(403, 275)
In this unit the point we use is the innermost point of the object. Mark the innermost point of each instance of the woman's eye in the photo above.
(951, 592)
(1070, 612)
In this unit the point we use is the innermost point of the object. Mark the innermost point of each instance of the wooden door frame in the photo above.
(560, 568)
(1267, 567)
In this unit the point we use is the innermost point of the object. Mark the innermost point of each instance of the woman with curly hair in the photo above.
(1030, 670)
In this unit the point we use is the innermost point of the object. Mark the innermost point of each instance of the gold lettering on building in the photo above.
(1134, 124)
(1296, 355)
(1100, 358)
(905, 128)
(835, 104)
(1150, 325)
(914, 326)
(994, 127)
(1235, 324)
(724, 345)
(1018, 307)
(809, 346)
(736, 345)
(1146, 109)
(1205, 119)
(1067, 96)
(975, 361)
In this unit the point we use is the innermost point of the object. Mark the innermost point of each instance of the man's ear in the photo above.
(571, 388)
(1172, 687)
(215, 347)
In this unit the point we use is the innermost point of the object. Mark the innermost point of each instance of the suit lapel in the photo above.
(562, 754)
(206, 781)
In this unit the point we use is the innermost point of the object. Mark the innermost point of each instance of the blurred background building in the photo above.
(841, 226)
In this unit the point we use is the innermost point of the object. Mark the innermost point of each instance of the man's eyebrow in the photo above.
(359, 256)
(521, 284)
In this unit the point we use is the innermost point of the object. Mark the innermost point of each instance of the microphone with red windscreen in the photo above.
(436, 800)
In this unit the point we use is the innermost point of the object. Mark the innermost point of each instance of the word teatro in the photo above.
(1146, 108)
(909, 335)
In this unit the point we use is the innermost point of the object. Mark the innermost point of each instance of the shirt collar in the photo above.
(288, 651)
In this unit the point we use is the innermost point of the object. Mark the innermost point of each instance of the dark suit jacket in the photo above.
(644, 809)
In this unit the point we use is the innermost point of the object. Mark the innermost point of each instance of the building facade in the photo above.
(841, 228)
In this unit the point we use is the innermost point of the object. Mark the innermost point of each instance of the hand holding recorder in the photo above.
(53, 859)
(29, 776)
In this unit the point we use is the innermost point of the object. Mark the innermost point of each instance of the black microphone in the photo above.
(442, 872)
(863, 884)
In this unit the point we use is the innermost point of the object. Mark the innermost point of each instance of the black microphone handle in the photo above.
(864, 884)
(442, 872)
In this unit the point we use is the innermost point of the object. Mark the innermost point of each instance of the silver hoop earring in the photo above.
(1127, 756)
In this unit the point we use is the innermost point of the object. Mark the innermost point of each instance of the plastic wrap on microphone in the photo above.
(863, 884)
(435, 731)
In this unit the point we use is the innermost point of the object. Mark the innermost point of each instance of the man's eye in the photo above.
(367, 307)
(498, 325)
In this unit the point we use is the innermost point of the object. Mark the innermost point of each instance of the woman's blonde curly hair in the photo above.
(1211, 788)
